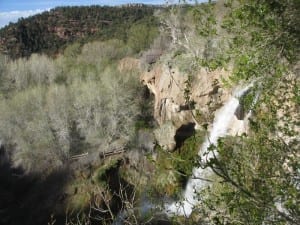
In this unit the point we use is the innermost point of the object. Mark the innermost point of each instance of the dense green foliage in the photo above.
(52, 31)
(271, 34)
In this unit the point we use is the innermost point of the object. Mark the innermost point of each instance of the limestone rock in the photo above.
(165, 136)
(168, 83)
(237, 127)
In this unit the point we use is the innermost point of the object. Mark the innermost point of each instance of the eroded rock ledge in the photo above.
(170, 110)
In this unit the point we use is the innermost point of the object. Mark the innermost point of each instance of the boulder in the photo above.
(165, 136)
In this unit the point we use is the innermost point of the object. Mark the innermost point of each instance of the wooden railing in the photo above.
(116, 151)
(102, 155)
(79, 156)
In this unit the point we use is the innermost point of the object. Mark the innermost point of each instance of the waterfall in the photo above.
(220, 126)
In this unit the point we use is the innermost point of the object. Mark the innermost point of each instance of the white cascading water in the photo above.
(220, 127)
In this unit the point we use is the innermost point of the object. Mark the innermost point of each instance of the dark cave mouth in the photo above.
(183, 133)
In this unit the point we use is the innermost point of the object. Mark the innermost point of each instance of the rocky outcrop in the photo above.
(165, 135)
(171, 111)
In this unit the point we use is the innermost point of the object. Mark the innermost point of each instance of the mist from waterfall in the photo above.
(198, 181)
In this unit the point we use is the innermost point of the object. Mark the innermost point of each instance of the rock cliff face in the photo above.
(168, 85)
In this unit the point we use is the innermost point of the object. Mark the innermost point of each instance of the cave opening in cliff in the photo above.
(183, 133)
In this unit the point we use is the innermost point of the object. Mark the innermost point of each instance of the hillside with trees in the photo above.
(51, 31)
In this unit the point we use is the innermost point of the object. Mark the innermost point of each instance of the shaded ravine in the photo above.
(198, 182)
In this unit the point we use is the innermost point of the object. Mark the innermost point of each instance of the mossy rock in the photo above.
(100, 174)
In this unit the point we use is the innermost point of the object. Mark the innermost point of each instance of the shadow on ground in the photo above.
(27, 198)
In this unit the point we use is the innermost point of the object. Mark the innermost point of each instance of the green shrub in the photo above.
(141, 36)
(174, 169)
